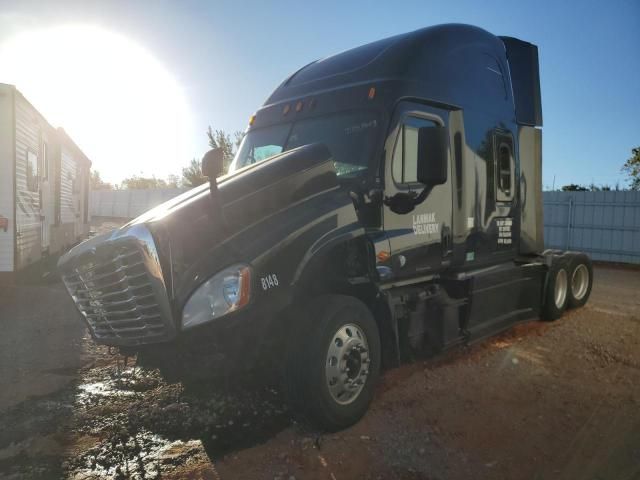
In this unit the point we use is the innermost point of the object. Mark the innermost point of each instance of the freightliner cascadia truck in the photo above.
(383, 201)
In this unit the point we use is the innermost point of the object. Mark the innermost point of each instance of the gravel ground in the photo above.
(544, 400)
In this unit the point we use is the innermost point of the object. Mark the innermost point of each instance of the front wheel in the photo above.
(334, 361)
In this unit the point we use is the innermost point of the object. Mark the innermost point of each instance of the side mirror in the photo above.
(213, 163)
(433, 148)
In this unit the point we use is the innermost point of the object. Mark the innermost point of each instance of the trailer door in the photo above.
(68, 197)
(46, 197)
(27, 208)
(420, 241)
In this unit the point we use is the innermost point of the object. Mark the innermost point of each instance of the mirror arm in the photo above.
(403, 203)
(212, 166)
(422, 196)
(216, 212)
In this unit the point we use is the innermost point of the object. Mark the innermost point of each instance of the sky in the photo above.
(159, 72)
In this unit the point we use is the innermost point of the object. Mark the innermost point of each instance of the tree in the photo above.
(140, 182)
(97, 183)
(238, 136)
(572, 187)
(220, 139)
(192, 174)
(173, 181)
(592, 187)
(600, 188)
(632, 168)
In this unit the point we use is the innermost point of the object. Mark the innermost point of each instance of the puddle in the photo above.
(145, 427)
(117, 422)
(99, 388)
(143, 456)
(109, 382)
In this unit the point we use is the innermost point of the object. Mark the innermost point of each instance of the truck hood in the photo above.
(274, 172)
(198, 234)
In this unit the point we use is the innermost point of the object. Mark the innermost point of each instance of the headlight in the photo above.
(225, 292)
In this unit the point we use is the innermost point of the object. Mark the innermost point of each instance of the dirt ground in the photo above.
(544, 400)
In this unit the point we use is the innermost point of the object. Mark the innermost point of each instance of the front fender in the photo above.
(297, 237)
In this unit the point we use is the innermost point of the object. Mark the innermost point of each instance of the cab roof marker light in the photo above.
(372, 93)
(286, 109)
(252, 119)
(299, 106)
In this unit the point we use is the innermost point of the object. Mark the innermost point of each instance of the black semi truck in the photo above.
(383, 201)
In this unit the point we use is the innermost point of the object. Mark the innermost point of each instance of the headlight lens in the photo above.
(225, 292)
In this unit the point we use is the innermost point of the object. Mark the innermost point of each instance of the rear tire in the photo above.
(557, 291)
(333, 361)
(580, 280)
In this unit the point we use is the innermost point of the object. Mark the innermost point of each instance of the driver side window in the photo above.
(404, 165)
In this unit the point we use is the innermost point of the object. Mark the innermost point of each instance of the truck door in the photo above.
(420, 241)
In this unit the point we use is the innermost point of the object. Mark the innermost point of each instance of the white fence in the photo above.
(606, 225)
(128, 203)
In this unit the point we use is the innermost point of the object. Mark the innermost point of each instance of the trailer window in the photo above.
(32, 171)
(45, 162)
(75, 180)
(404, 164)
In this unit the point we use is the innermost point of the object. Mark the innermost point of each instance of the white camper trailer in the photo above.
(44, 186)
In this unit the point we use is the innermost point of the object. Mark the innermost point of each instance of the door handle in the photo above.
(446, 241)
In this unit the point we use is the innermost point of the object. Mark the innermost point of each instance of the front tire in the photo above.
(334, 361)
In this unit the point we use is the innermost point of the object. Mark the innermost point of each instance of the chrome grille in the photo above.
(116, 289)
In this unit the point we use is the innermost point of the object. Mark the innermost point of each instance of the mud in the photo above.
(122, 421)
(543, 400)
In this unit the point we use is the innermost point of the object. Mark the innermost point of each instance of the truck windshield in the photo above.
(350, 138)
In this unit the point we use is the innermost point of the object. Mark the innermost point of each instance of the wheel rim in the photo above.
(347, 364)
(580, 281)
(560, 293)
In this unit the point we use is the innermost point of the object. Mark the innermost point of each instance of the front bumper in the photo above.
(117, 284)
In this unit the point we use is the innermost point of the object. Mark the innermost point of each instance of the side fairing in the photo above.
(486, 220)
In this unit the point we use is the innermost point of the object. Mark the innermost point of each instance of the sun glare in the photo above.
(119, 103)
